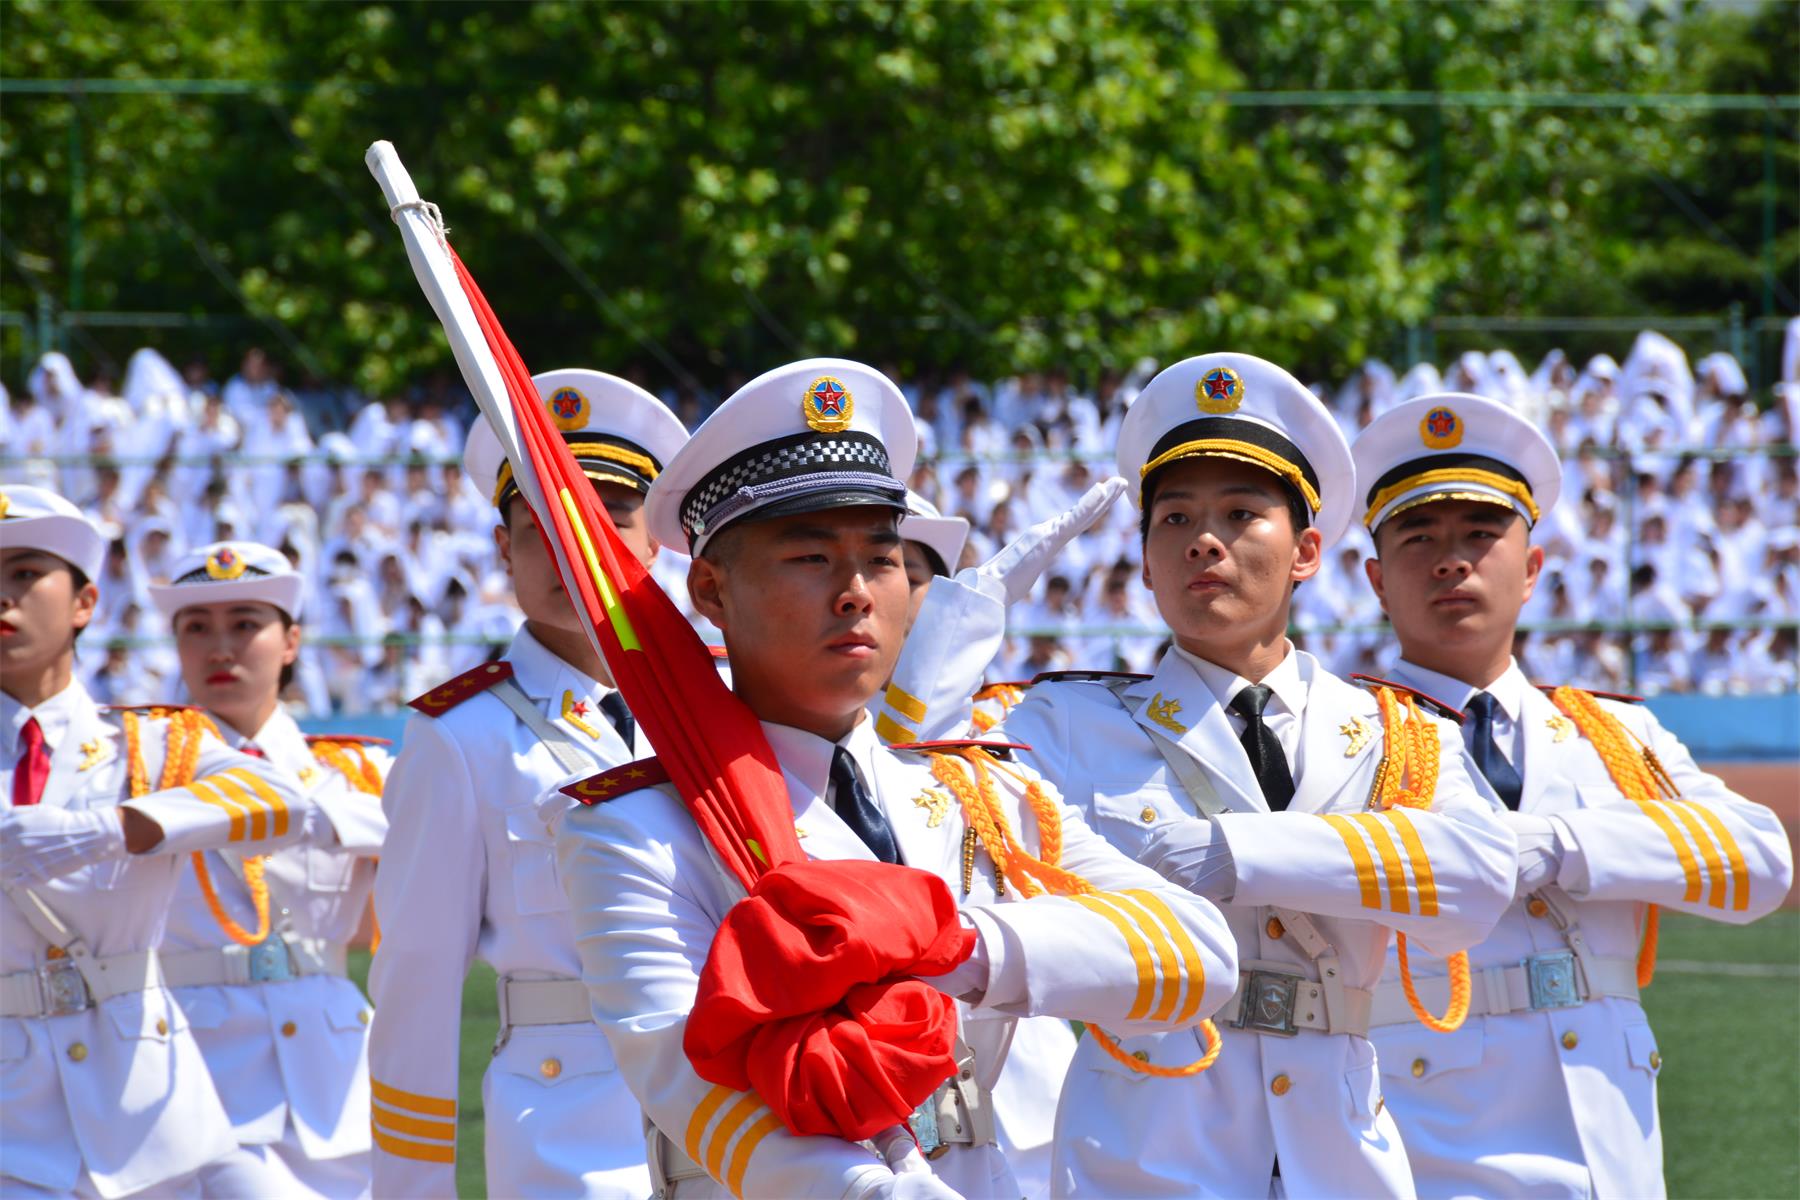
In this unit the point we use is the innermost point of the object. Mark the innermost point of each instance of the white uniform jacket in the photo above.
(469, 872)
(118, 1091)
(296, 1047)
(1561, 1101)
(1310, 1102)
(649, 894)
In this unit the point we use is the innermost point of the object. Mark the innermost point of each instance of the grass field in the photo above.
(1725, 1004)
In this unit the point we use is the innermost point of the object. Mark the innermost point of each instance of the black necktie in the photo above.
(857, 808)
(1478, 735)
(613, 705)
(1266, 756)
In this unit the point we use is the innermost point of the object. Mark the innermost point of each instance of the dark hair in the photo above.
(287, 669)
(81, 581)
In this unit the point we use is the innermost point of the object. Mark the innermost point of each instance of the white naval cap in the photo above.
(230, 571)
(1240, 407)
(618, 433)
(1454, 446)
(943, 536)
(821, 433)
(35, 518)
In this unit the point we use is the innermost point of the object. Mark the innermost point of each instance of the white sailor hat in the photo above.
(1454, 446)
(943, 536)
(35, 518)
(1240, 407)
(228, 571)
(822, 433)
(618, 433)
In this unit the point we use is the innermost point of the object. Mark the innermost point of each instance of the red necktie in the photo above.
(32, 771)
(252, 749)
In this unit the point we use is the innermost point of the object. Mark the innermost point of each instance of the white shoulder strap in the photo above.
(561, 746)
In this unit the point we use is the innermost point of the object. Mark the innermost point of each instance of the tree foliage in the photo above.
(693, 189)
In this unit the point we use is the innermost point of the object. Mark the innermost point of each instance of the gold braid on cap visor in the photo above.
(1452, 475)
(601, 450)
(1256, 456)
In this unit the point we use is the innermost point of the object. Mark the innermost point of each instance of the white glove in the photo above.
(1015, 569)
(1540, 850)
(39, 843)
(1193, 855)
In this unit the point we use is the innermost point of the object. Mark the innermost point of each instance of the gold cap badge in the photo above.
(827, 405)
(1441, 429)
(1220, 391)
(568, 408)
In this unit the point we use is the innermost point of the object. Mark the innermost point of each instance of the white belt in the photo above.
(59, 987)
(272, 960)
(1283, 998)
(542, 1002)
(1544, 981)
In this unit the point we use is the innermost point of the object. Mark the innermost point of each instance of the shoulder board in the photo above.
(1621, 697)
(1429, 701)
(616, 781)
(452, 692)
(352, 739)
(996, 688)
(1083, 676)
(1000, 750)
(153, 710)
(717, 652)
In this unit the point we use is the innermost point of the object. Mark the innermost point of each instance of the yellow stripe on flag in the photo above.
(609, 599)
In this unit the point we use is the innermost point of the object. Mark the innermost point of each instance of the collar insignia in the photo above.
(935, 803)
(1359, 732)
(1163, 711)
(571, 712)
(91, 754)
(1561, 728)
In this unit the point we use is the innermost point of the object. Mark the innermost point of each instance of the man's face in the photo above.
(918, 579)
(40, 609)
(536, 584)
(1222, 556)
(232, 653)
(814, 610)
(1454, 573)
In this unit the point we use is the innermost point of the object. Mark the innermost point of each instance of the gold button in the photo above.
(1280, 1085)
(1536, 907)
(1141, 1055)
(1276, 928)
(550, 1068)
(78, 1052)
(162, 1026)
(1656, 1060)
(1418, 1068)
(1149, 814)
(1570, 1041)
(365, 1015)
(289, 1029)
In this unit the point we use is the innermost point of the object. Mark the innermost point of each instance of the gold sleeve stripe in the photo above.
(1399, 893)
(393, 1097)
(417, 1151)
(1359, 854)
(905, 703)
(1740, 870)
(734, 1119)
(702, 1114)
(1424, 881)
(259, 816)
(1715, 866)
(891, 731)
(393, 1122)
(218, 800)
(1683, 853)
(267, 795)
(740, 1155)
(1140, 954)
(1159, 940)
(1194, 968)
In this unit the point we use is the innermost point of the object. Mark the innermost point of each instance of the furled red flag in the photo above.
(810, 992)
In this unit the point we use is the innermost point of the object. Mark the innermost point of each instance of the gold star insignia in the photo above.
(91, 753)
(571, 713)
(1359, 732)
(935, 803)
(637, 773)
(799, 832)
(308, 774)
(1561, 728)
(1163, 713)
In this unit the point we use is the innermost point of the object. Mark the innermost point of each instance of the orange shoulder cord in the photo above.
(1638, 776)
(1007, 694)
(1410, 750)
(181, 756)
(1033, 876)
(349, 760)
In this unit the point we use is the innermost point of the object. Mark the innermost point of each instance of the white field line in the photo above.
(1691, 966)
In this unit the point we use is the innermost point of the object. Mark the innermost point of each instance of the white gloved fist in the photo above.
(39, 843)
(1016, 569)
(1540, 851)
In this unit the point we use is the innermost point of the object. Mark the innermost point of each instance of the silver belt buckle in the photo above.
(1552, 981)
(65, 990)
(269, 962)
(1267, 1003)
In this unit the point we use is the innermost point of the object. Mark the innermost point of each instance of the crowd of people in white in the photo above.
(1673, 564)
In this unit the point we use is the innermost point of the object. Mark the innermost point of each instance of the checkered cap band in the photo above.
(781, 459)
